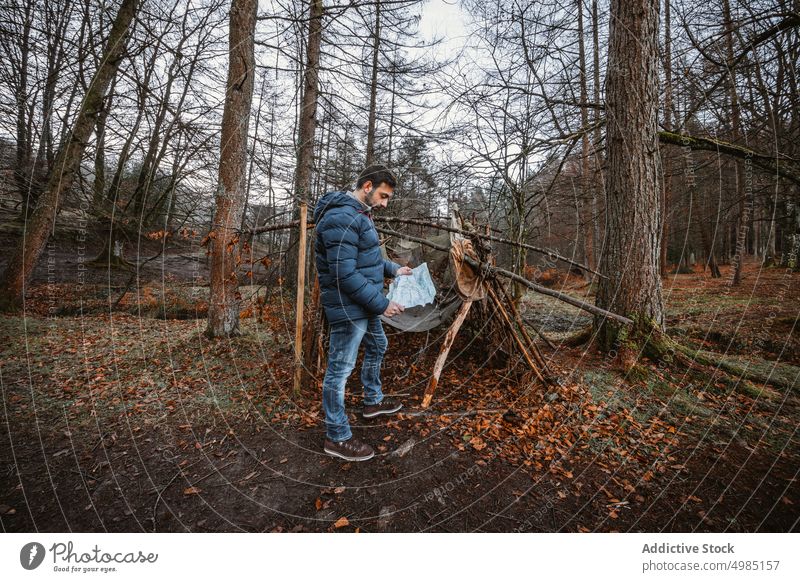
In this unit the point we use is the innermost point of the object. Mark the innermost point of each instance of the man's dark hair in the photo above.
(377, 174)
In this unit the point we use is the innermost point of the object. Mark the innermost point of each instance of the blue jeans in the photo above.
(345, 338)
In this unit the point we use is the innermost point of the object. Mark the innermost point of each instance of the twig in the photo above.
(216, 470)
(160, 492)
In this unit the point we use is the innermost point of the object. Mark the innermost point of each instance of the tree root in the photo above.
(110, 261)
(579, 337)
(646, 339)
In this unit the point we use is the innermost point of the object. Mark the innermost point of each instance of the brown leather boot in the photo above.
(349, 450)
(386, 406)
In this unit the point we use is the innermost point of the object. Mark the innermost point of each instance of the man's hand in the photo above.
(393, 309)
(404, 271)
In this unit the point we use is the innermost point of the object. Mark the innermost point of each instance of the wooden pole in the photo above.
(313, 332)
(301, 283)
(448, 343)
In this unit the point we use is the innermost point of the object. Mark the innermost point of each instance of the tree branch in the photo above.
(771, 164)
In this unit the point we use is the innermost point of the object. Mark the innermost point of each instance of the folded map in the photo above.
(414, 289)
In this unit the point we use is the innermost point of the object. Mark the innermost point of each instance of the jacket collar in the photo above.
(364, 205)
(365, 209)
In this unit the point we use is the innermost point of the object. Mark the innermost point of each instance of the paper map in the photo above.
(414, 289)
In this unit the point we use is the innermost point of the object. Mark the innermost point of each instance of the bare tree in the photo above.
(307, 124)
(26, 255)
(223, 308)
(373, 88)
(633, 180)
(667, 59)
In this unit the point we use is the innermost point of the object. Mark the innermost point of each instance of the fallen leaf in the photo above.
(341, 522)
(192, 490)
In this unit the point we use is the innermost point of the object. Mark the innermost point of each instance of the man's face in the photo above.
(378, 197)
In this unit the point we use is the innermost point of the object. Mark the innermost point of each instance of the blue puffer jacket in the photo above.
(350, 265)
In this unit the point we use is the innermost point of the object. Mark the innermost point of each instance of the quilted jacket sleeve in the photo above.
(340, 238)
(390, 268)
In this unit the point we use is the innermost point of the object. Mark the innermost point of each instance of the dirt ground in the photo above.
(126, 421)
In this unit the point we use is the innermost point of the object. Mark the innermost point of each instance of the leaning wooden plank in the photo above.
(448, 343)
(531, 345)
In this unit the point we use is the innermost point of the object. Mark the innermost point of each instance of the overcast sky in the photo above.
(443, 18)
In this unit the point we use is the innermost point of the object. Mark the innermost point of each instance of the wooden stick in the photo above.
(513, 276)
(274, 227)
(301, 283)
(294, 224)
(561, 296)
(539, 332)
(487, 236)
(448, 343)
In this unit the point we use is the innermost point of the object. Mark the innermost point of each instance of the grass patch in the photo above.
(680, 399)
(697, 304)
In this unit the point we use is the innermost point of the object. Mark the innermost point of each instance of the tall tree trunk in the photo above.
(598, 182)
(746, 205)
(391, 111)
(668, 127)
(708, 237)
(305, 131)
(251, 162)
(223, 305)
(586, 213)
(631, 258)
(99, 185)
(152, 158)
(519, 254)
(56, 22)
(373, 87)
(22, 173)
(42, 222)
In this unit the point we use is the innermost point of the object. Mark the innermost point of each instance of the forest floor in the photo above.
(126, 421)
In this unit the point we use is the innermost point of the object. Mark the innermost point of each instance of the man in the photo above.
(351, 270)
